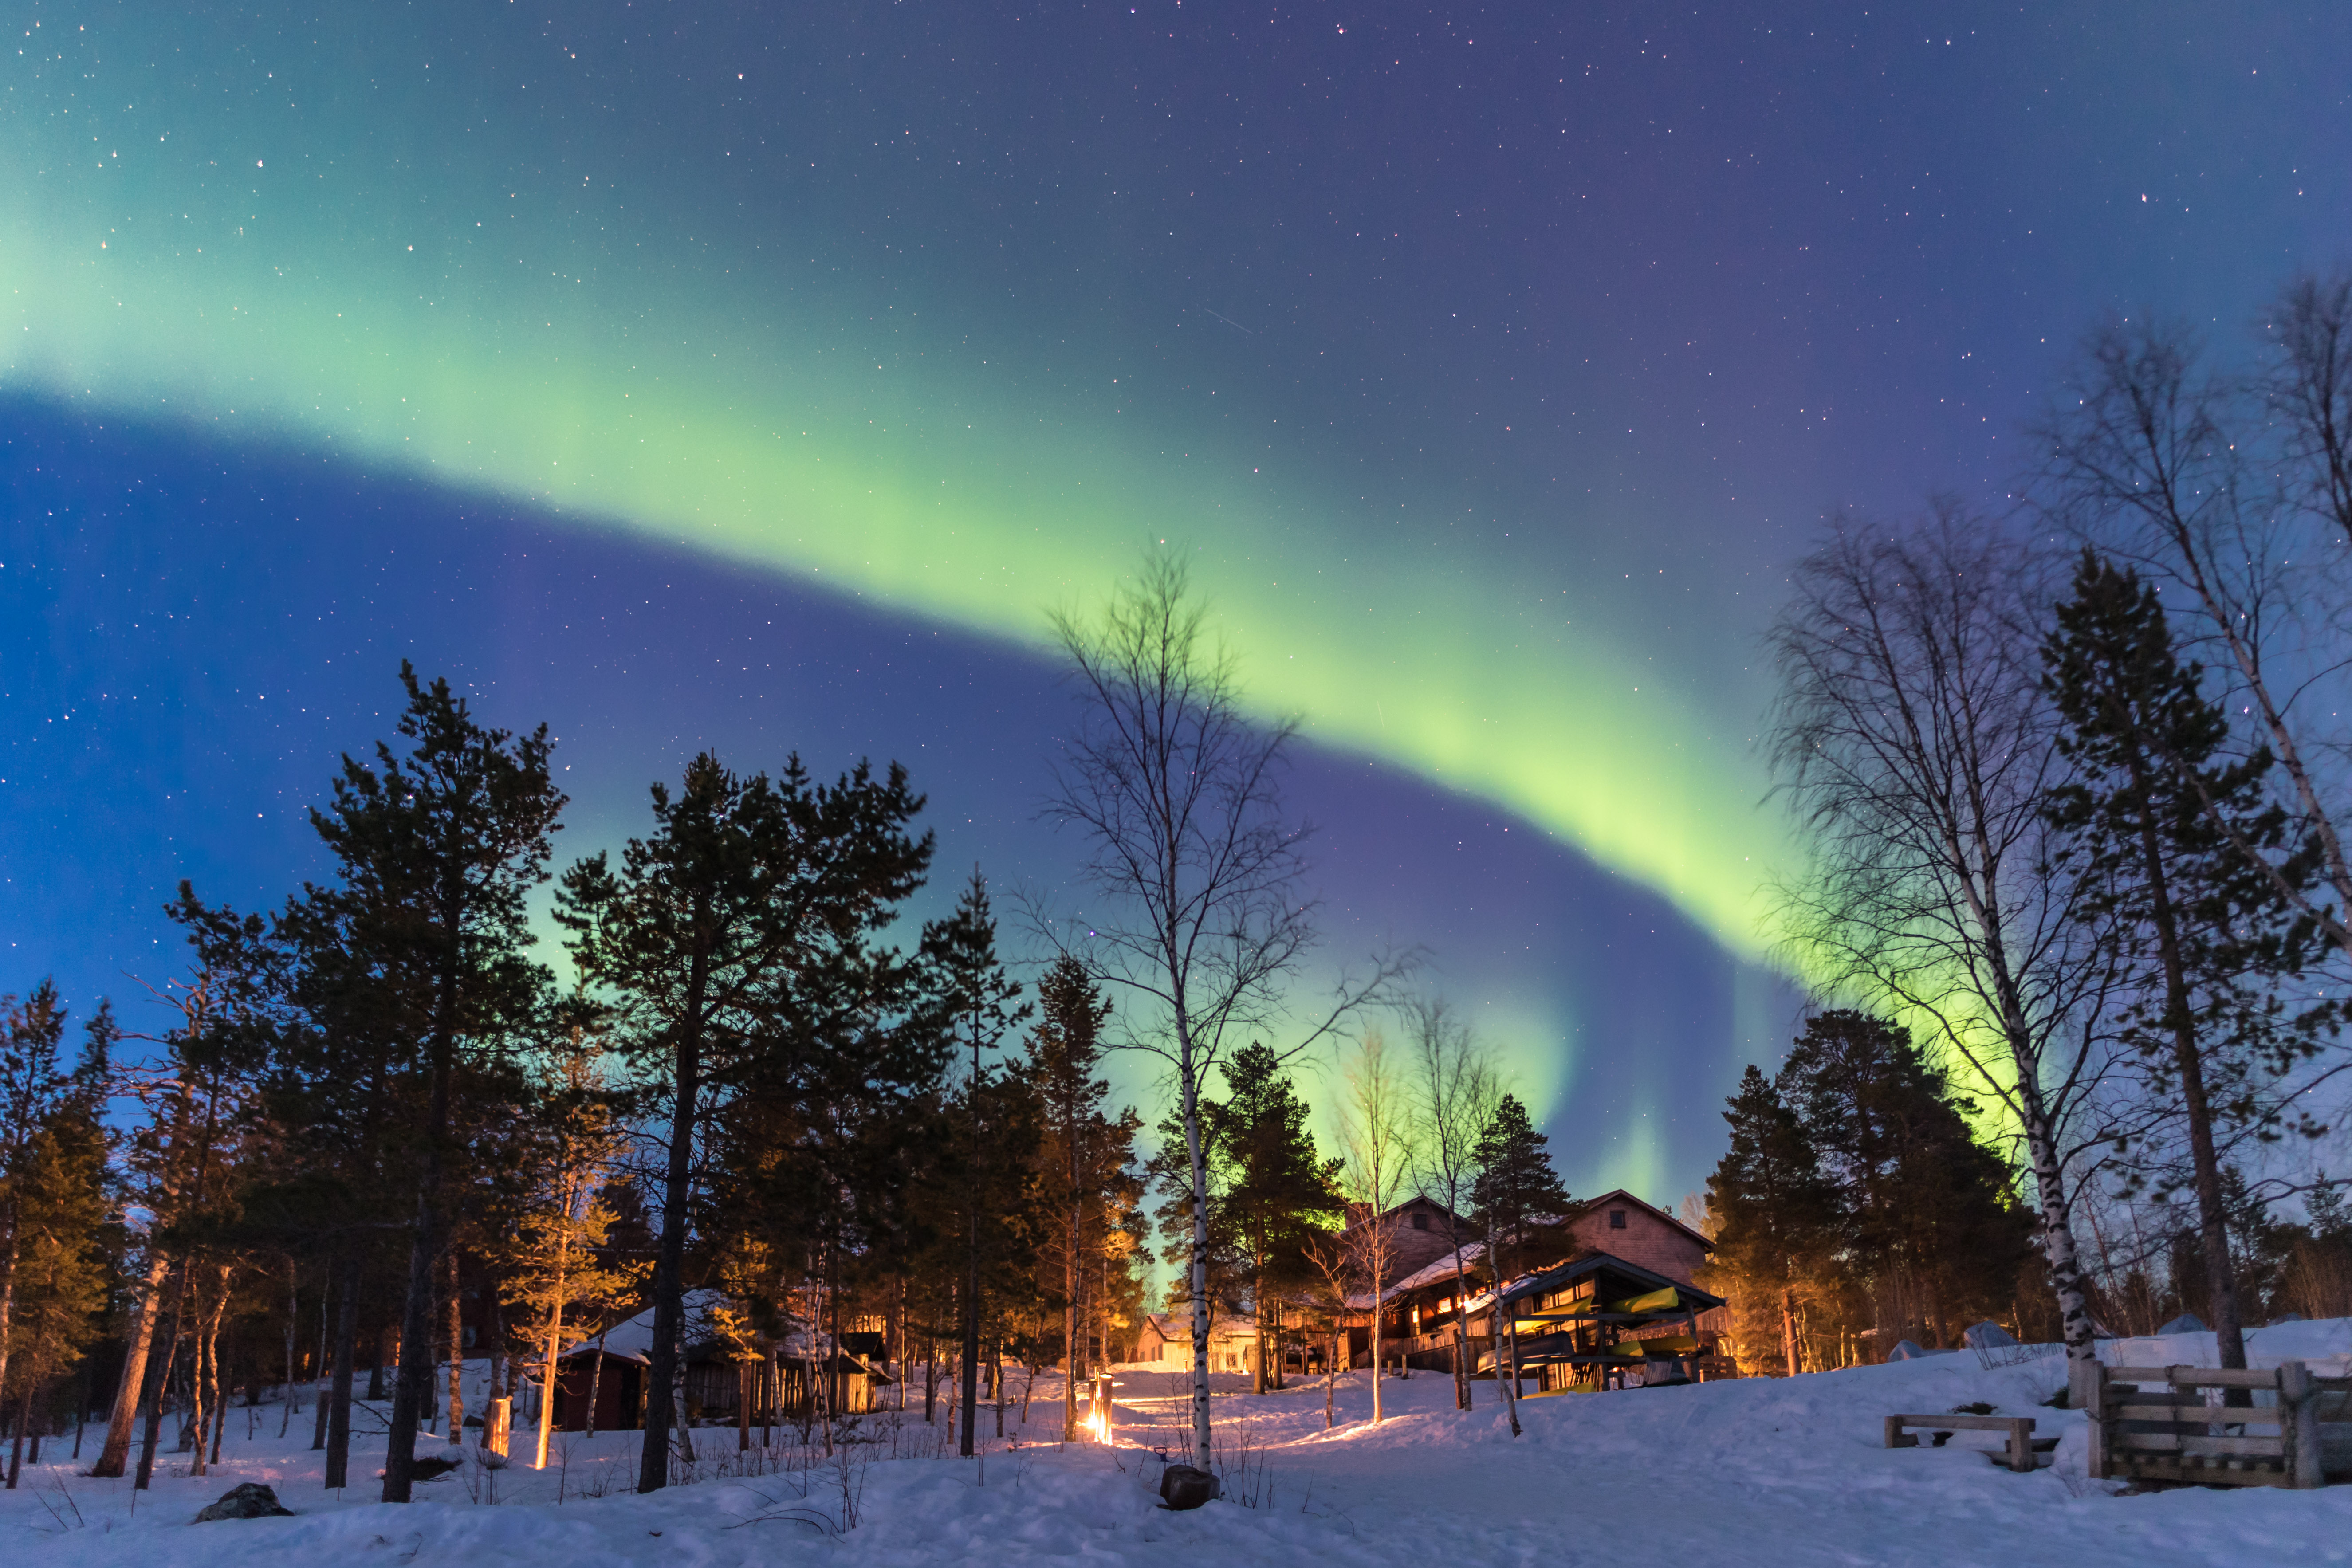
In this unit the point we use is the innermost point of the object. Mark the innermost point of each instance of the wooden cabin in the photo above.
(1165, 1339)
(1418, 1309)
(719, 1377)
(1622, 1226)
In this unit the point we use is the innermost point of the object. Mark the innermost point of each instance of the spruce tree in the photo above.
(997, 1118)
(737, 947)
(1516, 1185)
(2174, 840)
(1927, 1221)
(1277, 1192)
(1087, 1158)
(1776, 1218)
(437, 851)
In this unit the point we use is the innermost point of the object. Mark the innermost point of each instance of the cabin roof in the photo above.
(1543, 1281)
(1623, 1198)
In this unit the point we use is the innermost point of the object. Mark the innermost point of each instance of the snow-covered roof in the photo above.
(1171, 1326)
(634, 1337)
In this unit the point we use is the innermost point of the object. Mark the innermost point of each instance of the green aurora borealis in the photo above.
(1487, 364)
(639, 383)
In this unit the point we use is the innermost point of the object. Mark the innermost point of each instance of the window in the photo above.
(1616, 1219)
(1421, 1220)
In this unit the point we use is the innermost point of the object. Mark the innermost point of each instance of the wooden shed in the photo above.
(619, 1385)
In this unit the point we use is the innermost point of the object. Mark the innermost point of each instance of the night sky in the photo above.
(757, 378)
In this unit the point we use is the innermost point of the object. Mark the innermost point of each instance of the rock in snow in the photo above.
(1986, 1335)
(2185, 1323)
(250, 1500)
(1183, 1486)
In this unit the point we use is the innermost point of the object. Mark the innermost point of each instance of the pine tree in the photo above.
(998, 1116)
(1087, 1158)
(32, 1082)
(736, 946)
(556, 1258)
(437, 851)
(1277, 1194)
(1927, 1219)
(2173, 839)
(1776, 1217)
(1515, 1187)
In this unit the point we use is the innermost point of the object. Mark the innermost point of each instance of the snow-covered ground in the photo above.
(1754, 1471)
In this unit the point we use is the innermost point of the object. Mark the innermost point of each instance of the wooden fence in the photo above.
(2153, 1424)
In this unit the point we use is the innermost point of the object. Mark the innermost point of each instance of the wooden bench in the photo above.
(2019, 1428)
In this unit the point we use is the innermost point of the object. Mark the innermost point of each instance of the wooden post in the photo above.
(2299, 1425)
(1897, 1438)
(2094, 1407)
(2021, 1445)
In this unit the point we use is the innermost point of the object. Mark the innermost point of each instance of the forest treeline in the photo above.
(2071, 783)
(381, 1135)
(2072, 911)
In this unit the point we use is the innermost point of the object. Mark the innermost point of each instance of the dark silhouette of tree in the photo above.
(437, 850)
(1776, 1217)
(739, 942)
(2155, 816)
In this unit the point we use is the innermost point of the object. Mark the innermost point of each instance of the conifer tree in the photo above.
(2161, 818)
(1516, 1185)
(736, 946)
(32, 1081)
(1926, 1219)
(1086, 1158)
(437, 851)
(997, 1117)
(1277, 1194)
(52, 1200)
(1776, 1217)
(556, 1258)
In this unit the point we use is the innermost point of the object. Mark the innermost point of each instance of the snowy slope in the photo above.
(1755, 1471)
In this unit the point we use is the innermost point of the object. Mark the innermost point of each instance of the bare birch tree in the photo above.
(1913, 740)
(1195, 861)
(1376, 1168)
(2235, 494)
(1454, 1091)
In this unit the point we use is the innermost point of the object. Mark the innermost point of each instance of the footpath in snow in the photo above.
(1767, 1471)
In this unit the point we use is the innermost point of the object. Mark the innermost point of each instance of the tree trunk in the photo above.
(2212, 1232)
(1199, 1277)
(596, 1384)
(200, 1377)
(223, 1386)
(457, 1308)
(670, 1258)
(1072, 1362)
(549, 1370)
(155, 1395)
(125, 1414)
(412, 1388)
(24, 1418)
(293, 1321)
(347, 1345)
(1461, 1318)
(1507, 1365)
